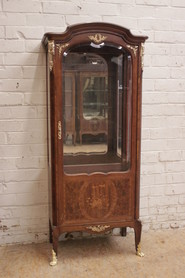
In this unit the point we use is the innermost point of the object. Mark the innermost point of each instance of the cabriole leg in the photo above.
(137, 230)
(55, 235)
(54, 258)
(138, 251)
(50, 233)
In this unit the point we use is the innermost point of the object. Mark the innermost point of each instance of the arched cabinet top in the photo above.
(96, 29)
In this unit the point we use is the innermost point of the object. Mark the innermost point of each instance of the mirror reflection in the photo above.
(95, 96)
(85, 105)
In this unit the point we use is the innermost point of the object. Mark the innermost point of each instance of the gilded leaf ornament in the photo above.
(133, 48)
(51, 53)
(142, 55)
(98, 228)
(61, 47)
(97, 38)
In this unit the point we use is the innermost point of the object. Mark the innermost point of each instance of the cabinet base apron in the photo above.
(94, 229)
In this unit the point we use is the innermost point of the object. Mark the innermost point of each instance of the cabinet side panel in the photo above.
(138, 132)
(51, 147)
(49, 142)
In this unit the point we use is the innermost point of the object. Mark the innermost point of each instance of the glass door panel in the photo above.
(97, 94)
(69, 127)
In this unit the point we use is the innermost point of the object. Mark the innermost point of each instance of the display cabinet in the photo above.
(94, 129)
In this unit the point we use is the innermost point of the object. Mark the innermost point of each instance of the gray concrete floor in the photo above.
(110, 257)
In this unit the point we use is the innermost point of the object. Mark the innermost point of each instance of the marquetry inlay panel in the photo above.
(92, 199)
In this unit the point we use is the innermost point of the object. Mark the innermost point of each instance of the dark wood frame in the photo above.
(118, 183)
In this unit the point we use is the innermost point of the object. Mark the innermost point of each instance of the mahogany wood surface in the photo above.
(95, 197)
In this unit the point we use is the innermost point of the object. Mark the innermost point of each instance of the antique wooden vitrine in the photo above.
(94, 74)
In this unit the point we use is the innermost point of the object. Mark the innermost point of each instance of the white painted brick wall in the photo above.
(23, 146)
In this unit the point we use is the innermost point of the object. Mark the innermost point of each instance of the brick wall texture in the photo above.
(23, 144)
